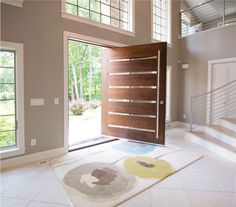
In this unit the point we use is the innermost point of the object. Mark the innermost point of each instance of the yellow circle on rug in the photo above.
(147, 167)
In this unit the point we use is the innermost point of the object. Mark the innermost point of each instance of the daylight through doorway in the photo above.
(84, 94)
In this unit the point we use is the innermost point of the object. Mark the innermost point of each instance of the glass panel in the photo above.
(115, 23)
(84, 13)
(7, 139)
(72, 2)
(115, 3)
(7, 107)
(163, 30)
(123, 16)
(105, 9)
(7, 91)
(105, 20)
(7, 59)
(7, 123)
(163, 5)
(95, 6)
(106, 2)
(71, 9)
(115, 13)
(163, 38)
(163, 14)
(7, 75)
(163, 22)
(123, 6)
(123, 25)
(95, 16)
(84, 4)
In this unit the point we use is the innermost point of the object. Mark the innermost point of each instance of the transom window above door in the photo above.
(115, 13)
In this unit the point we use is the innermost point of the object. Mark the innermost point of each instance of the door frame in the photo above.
(81, 38)
(168, 105)
(209, 78)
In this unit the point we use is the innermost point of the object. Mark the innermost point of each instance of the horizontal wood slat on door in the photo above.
(146, 65)
(133, 108)
(136, 51)
(132, 134)
(133, 80)
(132, 121)
(146, 94)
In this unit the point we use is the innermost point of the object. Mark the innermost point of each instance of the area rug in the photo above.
(112, 173)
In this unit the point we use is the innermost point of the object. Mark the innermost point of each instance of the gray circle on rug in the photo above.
(99, 180)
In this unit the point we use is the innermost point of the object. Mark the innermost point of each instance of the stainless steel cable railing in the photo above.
(209, 107)
(207, 15)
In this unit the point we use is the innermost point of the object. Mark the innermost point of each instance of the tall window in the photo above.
(7, 99)
(116, 13)
(161, 20)
(11, 99)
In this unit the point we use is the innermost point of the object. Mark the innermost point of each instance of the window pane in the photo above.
(123, 25)
(7, 123)
(95, 16)
(7, 91)
(123, 16)
(7, 139)
(95, 5)
(7, 107)
(106, 2)
(160, 20)
(115, 3)
(84, 4)
(72, 2)
(7, 59)
(84, 13)
(115, 13)
(114, 23)
(7, 75)
(105, 20)
(71, 9)
(105, 9)
(123, 6)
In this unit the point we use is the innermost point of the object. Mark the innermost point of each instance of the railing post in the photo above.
(191, 114)
(223, 21)
(180, 24)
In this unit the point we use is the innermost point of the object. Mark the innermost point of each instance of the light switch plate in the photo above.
(37, 102)
(56, 100)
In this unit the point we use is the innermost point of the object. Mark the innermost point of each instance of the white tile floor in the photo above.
(209, 182)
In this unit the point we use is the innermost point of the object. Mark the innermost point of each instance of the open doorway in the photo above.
(129, 85)
(84, 94)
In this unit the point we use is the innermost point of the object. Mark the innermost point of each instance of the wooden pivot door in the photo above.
(133, 92)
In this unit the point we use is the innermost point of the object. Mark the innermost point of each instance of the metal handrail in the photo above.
(230, 83)
(194, 7)
(218, 14)
(213, 105)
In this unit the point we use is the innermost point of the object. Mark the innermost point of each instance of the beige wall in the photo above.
(39, 26)
(196, 50)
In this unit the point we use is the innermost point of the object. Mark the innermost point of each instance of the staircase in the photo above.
(213, 120)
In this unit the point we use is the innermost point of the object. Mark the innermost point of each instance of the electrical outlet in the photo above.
(184, 116)
(33, 142)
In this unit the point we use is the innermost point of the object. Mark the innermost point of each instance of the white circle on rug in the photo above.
(99, 180)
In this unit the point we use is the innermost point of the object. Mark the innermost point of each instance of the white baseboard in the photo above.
(11, 162)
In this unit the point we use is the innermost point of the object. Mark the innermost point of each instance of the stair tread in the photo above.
(223, 130)
(231, 120)
(214, 140)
